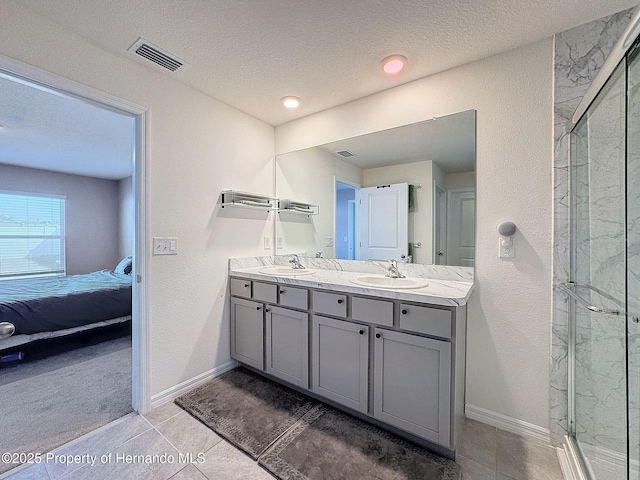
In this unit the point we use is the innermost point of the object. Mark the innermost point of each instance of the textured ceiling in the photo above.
(49, 131)
(250, 53)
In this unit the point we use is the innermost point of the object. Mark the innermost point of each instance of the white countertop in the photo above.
(438, 291)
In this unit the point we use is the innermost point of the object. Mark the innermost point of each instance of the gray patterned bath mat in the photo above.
(329, 445)
(248, 410)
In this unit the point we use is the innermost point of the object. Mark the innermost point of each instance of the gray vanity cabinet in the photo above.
(399, 362)
(287, 344)
(407, 368)
(247, 332)
(340, 361)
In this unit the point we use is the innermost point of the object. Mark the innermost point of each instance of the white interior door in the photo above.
(461, 227)
(383, 217)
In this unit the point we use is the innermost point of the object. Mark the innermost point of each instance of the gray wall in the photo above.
(126, 214)
(92, 213)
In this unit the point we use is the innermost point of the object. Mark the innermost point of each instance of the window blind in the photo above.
(32, 238)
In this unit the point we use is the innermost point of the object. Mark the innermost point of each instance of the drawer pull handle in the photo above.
(281, 292)
(405, 311)
(361, 332)
(266, 310)
(246, 285)
(378, 335)
(258, 308)
(340, 301)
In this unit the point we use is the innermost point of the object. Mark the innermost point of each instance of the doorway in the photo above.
(345, 220)
(11, 70)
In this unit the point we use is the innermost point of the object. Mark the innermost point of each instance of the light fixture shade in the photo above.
(290, 101)
(393, 64)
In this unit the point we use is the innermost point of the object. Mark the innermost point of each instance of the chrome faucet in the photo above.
(295, 262)
(392, 270)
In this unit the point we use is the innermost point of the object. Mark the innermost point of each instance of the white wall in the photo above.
(460, 180)
(509, 312)
(308, 176)
(197, 147)
(91, 213)
(126, 217)
(421, 216)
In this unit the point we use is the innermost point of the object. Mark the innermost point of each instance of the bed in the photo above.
(56, 306)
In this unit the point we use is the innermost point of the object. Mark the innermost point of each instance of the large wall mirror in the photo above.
(406, 193)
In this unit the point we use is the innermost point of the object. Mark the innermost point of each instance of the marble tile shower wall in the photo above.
(579, 55)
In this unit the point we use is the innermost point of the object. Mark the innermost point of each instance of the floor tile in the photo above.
(187, 434)
(472, 470)
(162, 413)
(35, 472)
(95, 444)
(225, 462)
(189, 473)
(147, 456)
(479, 443)
(519, 457)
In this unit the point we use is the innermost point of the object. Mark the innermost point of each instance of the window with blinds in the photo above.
(32, 239)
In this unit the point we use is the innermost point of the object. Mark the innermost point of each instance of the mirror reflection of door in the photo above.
(461, 227)
(345, 221)
(383, 222)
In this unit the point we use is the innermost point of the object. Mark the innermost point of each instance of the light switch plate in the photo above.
(165, 246)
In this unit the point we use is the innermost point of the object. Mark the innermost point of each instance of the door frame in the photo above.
(337, 179)
(140, 372)
(449, 222)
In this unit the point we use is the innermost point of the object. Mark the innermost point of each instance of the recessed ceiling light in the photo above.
(393, 64)
(290, 102)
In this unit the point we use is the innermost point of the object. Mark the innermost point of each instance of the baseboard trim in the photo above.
(169, 394)
(509, 424)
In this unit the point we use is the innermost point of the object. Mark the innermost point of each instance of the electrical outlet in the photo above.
(267, 243)
(506, 247)
(279, 243)
(329, 242)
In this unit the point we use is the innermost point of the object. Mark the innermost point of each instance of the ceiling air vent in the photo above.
(345, 154)
(158, 56)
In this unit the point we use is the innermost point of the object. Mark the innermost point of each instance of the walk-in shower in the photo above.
(604, 284)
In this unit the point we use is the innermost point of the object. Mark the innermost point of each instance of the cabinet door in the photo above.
(288, 345)
(247, 332)
(340, 361)
(412, 384)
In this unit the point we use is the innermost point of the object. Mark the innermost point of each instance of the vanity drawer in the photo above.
(266, 292)
(430, 321)
(330, 304)
(293, 297)
(379, 312)
(241, 287)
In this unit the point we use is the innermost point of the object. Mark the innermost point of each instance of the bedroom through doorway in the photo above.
(67, 255)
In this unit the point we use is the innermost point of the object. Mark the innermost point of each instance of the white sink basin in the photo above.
(380, 281)
(285, 271)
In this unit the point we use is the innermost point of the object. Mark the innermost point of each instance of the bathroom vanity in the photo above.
(393, 356)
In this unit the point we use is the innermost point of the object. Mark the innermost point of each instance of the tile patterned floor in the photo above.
(125, 449)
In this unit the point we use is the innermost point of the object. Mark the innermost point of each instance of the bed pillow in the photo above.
(125, 266)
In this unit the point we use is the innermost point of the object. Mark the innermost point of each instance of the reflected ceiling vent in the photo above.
(155, 54)
(345, 154)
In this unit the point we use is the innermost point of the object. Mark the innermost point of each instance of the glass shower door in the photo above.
(598, 405)
(633, 259)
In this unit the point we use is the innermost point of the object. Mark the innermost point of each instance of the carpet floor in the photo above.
(50, 401)
(297, 438)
